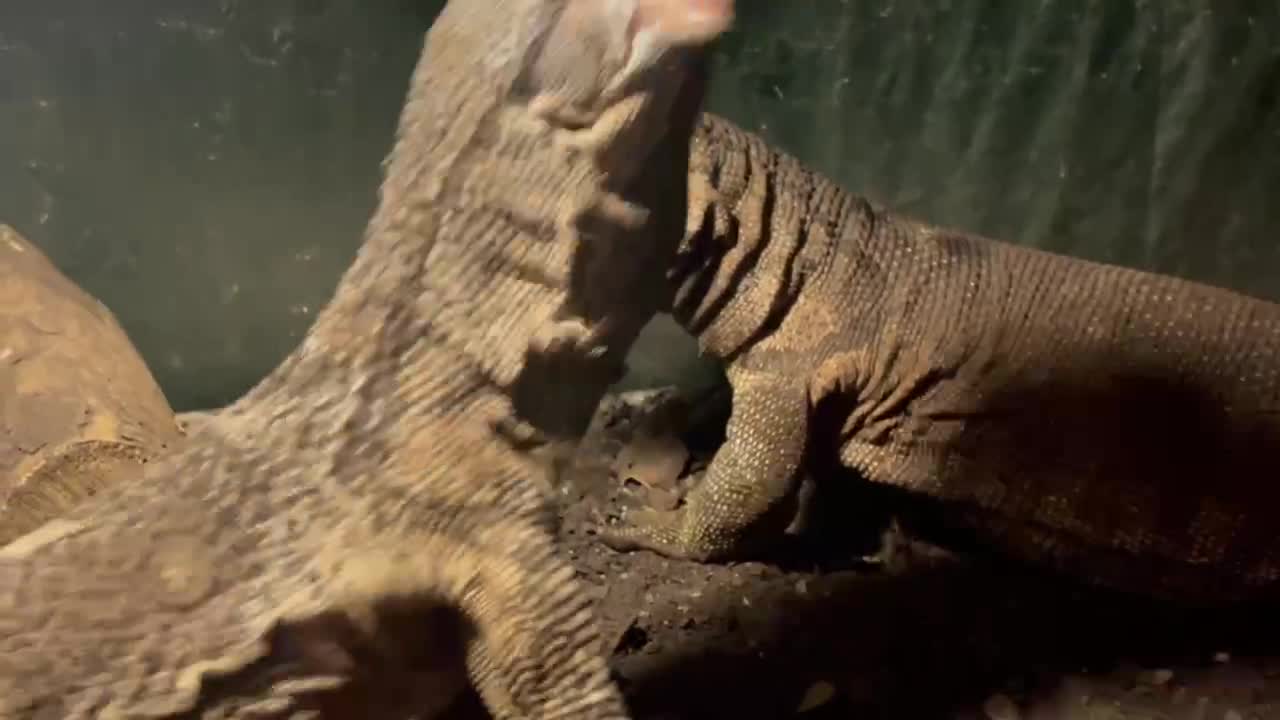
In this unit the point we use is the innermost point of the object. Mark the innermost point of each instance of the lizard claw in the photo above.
(597, 518)
(643, 529)
(619, 539)
(607, 531)
(560, 336)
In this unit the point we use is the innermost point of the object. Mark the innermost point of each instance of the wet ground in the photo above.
(852, 628)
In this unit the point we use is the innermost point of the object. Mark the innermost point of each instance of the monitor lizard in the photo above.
(373, 516)
(1117, 425)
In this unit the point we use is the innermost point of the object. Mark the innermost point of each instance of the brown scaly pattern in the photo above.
(372, 518)
(1119, 425)
(79, 410)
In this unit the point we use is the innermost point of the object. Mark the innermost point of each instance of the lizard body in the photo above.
(1118, 425)
(373, 516)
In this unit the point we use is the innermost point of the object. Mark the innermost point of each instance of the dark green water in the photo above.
(205, 168)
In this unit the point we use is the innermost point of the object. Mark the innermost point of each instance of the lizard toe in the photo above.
(646, 529)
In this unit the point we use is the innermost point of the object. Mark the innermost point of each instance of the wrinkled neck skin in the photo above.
(760, 228)
(491, 237)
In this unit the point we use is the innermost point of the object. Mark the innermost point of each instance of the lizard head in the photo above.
(606, 73)
(589, 54)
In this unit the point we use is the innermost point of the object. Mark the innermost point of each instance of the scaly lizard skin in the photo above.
(1118, 425)
(373, 517)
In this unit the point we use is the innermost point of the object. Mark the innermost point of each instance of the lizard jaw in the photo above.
(676, 23)
(654, 27)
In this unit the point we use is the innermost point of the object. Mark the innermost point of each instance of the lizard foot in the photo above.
(660, 531)
(560, 336)
(566, 337)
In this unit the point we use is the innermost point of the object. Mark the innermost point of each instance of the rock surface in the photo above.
(79, 408)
